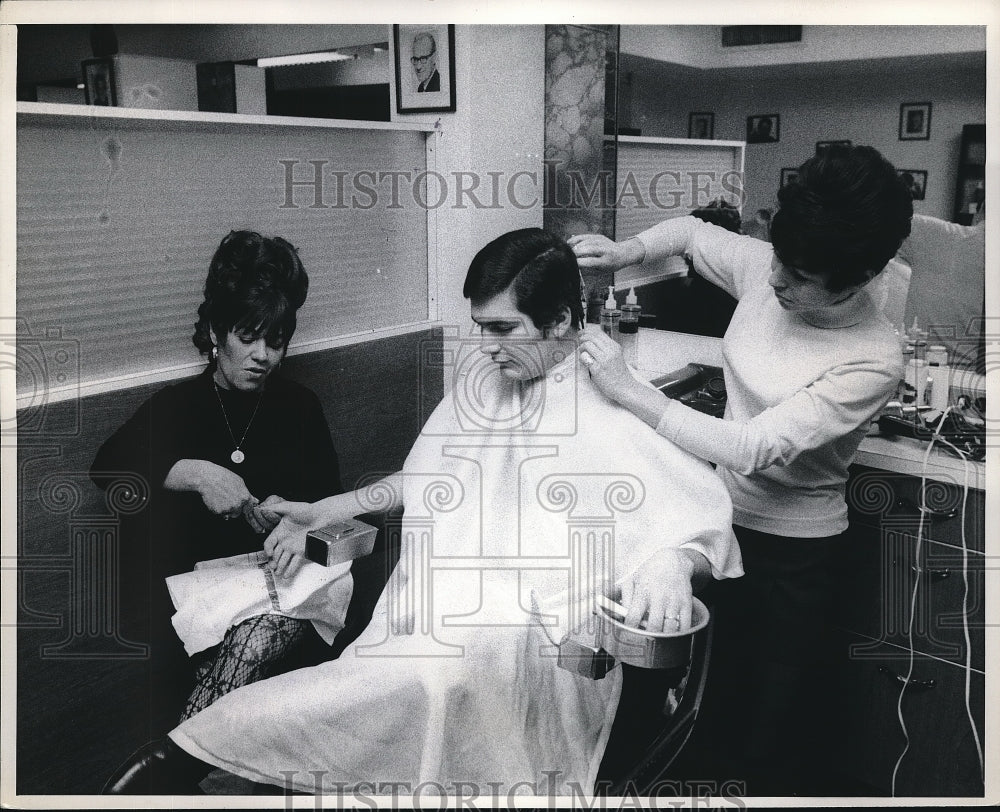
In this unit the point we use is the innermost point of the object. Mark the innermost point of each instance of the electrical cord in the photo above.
(965, 616)
(913, 599)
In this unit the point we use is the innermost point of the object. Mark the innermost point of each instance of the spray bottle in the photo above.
(628, 329)
(610, 314)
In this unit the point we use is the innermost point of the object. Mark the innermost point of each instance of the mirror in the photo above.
(813, 85)
(355, 86)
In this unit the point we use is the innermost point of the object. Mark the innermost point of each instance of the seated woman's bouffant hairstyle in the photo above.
(255, 285)
(845, 216)
(539, 267)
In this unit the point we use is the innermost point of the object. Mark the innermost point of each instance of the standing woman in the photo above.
(216, 450)
(808, 361)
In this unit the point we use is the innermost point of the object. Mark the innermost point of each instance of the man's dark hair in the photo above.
(845, 216)
(540, 269)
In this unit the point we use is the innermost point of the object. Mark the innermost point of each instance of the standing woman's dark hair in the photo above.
(255, 285)
(540, 268)
(845, 216)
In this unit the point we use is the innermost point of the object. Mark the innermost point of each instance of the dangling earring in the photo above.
(214, 353)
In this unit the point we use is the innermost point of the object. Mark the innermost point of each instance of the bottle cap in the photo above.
(937, 355)
(631, 299)
(610, 302)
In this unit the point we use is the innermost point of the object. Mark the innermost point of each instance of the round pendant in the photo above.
(237, 456)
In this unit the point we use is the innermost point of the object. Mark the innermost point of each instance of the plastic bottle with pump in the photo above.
(610, 314)
(628, 329)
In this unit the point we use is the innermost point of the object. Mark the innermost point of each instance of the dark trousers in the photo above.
(765, 713)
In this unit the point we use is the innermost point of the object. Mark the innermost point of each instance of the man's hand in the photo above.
(288, 539)
(259, 516)
(659, 593)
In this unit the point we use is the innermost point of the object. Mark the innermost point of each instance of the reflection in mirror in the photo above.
(349, 83)
(836, 83)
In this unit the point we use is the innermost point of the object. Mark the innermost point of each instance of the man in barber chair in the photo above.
(530, 502)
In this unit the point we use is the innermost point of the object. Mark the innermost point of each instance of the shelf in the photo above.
(681, 142)
(38, 112)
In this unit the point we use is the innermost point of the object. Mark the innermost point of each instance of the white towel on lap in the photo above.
(223, 592)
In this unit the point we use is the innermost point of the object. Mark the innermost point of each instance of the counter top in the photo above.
(663, 351)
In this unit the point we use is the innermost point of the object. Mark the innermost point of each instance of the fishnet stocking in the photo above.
(246, 654)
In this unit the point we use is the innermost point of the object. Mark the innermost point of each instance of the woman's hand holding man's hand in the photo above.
(223, 491)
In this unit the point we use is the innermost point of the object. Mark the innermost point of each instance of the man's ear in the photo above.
(869, 276)
(561, 327)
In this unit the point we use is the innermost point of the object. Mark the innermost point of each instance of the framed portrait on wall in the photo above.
(701, 125)
(764, 129)
(99, 82)
(425, 68)
(789, 175)
(915, 121)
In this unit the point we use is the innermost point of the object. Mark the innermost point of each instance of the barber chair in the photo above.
(655, 719)
(656, 713)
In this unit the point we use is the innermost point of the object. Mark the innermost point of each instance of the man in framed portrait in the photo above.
(763, 131)
(424, 61)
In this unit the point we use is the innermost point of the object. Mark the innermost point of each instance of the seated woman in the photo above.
(526, 494)
(216, 451)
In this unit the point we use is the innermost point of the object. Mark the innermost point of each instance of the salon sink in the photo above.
(700, 386)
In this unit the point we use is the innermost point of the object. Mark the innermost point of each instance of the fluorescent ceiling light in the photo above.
(303, 59)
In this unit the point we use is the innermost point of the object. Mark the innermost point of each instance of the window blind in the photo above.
(663, 178)
(118, 220)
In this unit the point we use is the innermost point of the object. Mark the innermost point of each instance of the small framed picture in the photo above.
(789, 175)
(425, 68)
(99, 81)
(915, 180)
(765, 129)
(701, 125)
(821, 145)
(915, 121)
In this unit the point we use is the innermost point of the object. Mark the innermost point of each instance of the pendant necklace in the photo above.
(237, 456)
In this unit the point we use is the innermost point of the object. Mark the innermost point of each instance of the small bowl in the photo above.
(649, 649)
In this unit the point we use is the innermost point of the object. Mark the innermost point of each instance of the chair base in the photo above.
(158, 768)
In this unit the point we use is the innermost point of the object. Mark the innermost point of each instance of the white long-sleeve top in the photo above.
(800, 397)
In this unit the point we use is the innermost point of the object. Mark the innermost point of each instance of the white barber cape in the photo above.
(513, 493)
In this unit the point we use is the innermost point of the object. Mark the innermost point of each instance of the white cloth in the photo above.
(800, 397)
(505, 481)
(889, 291)
(222, 592)
(949, 283)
